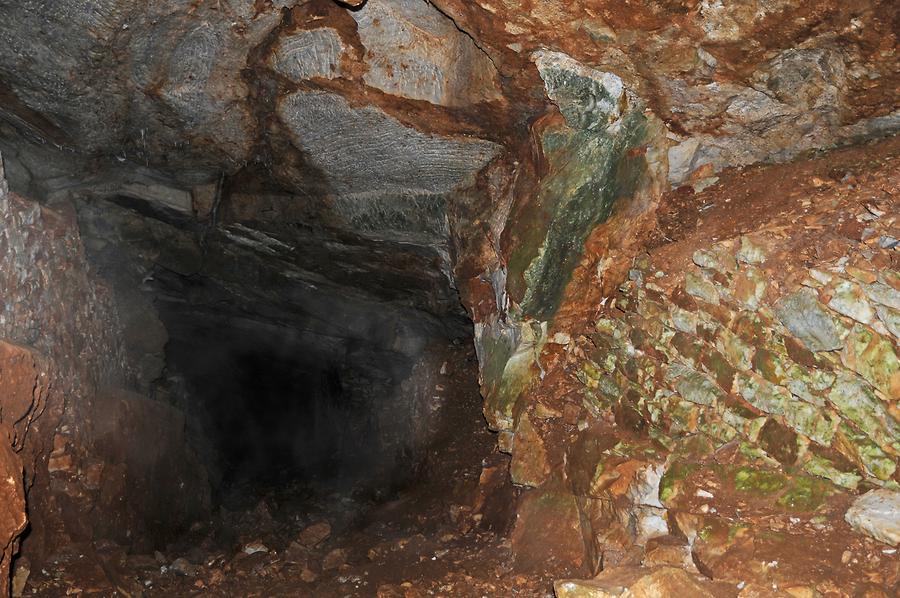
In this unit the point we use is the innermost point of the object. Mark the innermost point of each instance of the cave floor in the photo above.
(437, 537)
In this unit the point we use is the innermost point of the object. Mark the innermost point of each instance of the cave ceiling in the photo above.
(314, 132)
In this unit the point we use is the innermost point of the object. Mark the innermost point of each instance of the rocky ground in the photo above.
(280, 538)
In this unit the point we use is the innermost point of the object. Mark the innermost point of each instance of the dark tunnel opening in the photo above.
(267, 413)
(266, 406)
(285, 368)
(351, 402)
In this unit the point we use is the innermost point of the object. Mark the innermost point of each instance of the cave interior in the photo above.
(436, 297)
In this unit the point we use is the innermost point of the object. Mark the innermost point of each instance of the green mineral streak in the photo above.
(720, 368)
(508, 372)
(757, 481)
(872, 356)
(608, 389)
(755, 427)
(757, 454)
(805, 494)
(823, 468)
(589, 171)
(701, 288)
(773, 536)
(764, 395)
(661, 437)
(593, 404)
(738, 353)
(591, 370)
(622, 449)
(684, 321)
(698, 389)
(735, 420)
(721, 431)
(606, 326)
(716, 259)
(609, 364)
(857, 401)
(810, 421)
(681, 414)
(677, 472)
(497, 407)
(876, 461)
(769, 365)
(736, 529)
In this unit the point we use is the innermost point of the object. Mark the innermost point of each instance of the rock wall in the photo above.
(64, 375)
(776, 347)
(599, 170)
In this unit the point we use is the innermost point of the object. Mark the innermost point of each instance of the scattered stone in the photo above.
(308, 576)
(864, 276)
(315, 534)
(334, 559)
(633, 582)
(548, 528)
(21, 572)
(883, 294)
(182, 566)
(721, 261)
(529, 466)
(873, 357)
(859, 403)
(669, 551)
(890, 318)
(749, 287)
(254, 547)
(587, 98)
(296, 553)
(701, 288)
(819, 276)
(888, 242)
(698, 389)
(807, 319)
(877, 514)
(750, 252)
(849, 300)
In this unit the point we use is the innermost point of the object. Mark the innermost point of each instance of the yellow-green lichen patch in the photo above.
(757, 481)
(668, 485)
(805, 494)
(819, 466)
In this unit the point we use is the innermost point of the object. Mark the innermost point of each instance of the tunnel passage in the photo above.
(282, 372)
(270, 403)
(267, 403)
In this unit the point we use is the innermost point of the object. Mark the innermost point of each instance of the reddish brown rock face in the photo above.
(13, 520)
(23, 388)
